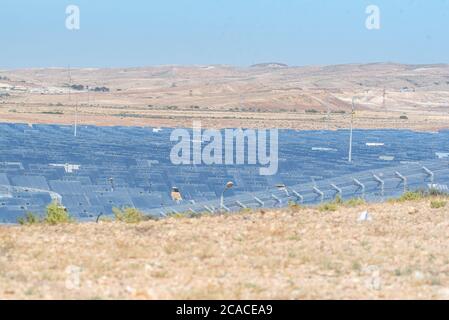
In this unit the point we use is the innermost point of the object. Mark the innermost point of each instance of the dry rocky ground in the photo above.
(282, 254)
(226, 96)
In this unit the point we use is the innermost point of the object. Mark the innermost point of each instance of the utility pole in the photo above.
(228, 186)
(76, 118)
(350, 131)
(88, 96)
(76, 103)
(70, 84)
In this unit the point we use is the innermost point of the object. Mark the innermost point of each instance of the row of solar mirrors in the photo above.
(107, 167)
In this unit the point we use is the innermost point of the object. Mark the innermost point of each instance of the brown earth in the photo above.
(225, 96)
(402, 253)
(284, 254)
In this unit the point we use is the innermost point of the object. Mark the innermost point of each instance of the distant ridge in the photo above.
(270, 65)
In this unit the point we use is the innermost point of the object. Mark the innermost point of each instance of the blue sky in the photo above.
(236, 32)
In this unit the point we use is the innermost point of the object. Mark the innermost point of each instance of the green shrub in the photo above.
(128, 215)
(437, 204)
(330, 206)
(29, 219)
(412, 196)
(338, 199)
(435, 192)
(178, 215)
(57, 214)
(355, 202)
(333, 205)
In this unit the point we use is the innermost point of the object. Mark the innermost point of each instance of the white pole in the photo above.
(76, 102)
(222, 199)
(229, 185)
(350, 132)
(76, 117)
(70, 85)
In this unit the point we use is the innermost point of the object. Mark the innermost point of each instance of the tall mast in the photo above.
(76, 103)
(350, 131)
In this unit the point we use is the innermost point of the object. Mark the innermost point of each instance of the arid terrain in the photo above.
(293, 253)
(268, 95)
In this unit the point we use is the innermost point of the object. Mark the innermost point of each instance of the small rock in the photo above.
(419, 275)
(130, 289)
(376, 283)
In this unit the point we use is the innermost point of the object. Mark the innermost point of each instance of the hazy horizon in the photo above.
(223, 65)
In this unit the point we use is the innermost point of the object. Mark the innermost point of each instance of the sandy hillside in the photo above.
(224, 96)
(286, 254)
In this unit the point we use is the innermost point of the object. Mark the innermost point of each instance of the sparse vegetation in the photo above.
(437, 204)
(190, 214)
(29, 219)
(57, 214)
(52, 112)
(412, 196)
(179, 215)
(338, 201)
(128, 215)
(356, 266)
(338, 111)
(329, 206)
(100, 89)
(437, 193)
(420, 195)
(355, 202)
(412, 266)
(293, 205)
(77, 87)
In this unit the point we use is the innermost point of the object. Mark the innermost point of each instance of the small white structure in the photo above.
(364, 216)
(375, 144)
(386, 158)
(442, 155)
(69, 168)
(323, 149)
